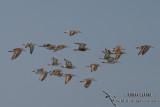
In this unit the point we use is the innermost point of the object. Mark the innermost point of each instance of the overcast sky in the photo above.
(104, 24)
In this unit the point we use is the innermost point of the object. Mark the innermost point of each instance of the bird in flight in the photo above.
(57, 72)
(68, 64)
(144, 49)
(107, 54)
(48, 46)
(54, 61)
(42, 72)
(93, 67)
(30, 45)
(87, 82)
(17, 52)
(82, 47)
(72, 32)
(68, 77)
(118, 54)
(60, 47)
(117, 48)
(110, 60)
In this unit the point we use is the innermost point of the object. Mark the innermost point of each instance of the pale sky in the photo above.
(104, 24)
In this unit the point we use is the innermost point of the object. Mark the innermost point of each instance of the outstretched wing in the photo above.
(145, 50)
(68, 63)
(31, 48)
(38, 71)
(68, 78)
(87, 83)
(118, 54)
(51, 47)
(16, 54)
(141, 51)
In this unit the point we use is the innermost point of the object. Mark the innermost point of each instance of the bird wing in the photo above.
(43, 76)
(68, 63)
(72, 33)
(31, 48)
(141, 51)
(58, 48)
(39, 71)
(68, 78)
(87, 83)
(55, 62)
(145, 50)
(118, 54)
(27, 45)
(93, 68)
(82, 46)
(16, 54)
(51, 47)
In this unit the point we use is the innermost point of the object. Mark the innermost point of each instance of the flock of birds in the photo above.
(111, 56)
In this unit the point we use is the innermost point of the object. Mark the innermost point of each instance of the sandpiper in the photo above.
(68, 77)
(117, 48)
(42, 72)
(72, 32)
(82, 47)
(118, 54)
(107, 54)
(17, 52)
(87, 82)
(111, 60)
(93, 67)
(59, 47)
(68, 64)
(144, 49)
(57, 72)
(54, 61)
(48, 46)
(31, 46)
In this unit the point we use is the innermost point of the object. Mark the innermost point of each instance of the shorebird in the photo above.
(110, 97)
(59, 47)
(30, 45)
(93, 67)
(68, 64)
(57, 72)
(72, 32)
(144, 49)
(48, 46)
(118, 54)
(42, 72)
(82, 47)
(54, 61)
(17, 52)
(68, 77)
(107, 54)
(117, 48)
(110, 60)
(87, 82)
